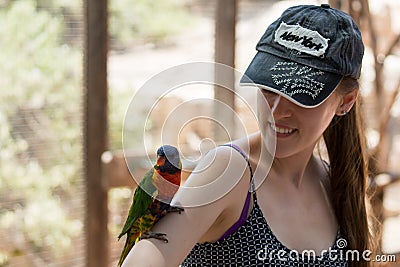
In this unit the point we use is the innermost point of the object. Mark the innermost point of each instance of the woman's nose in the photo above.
(281, 107)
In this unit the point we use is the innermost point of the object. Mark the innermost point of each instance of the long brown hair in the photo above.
(346, 146)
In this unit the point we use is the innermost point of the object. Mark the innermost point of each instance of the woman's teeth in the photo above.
(281, 130)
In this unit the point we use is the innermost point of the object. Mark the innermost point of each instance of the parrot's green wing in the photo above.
(141, 201)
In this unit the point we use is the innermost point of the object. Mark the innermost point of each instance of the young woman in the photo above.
(307, 212)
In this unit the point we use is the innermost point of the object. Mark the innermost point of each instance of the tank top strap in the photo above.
(243, 216)
(238, 149)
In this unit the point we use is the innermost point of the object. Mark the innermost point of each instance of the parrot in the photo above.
(148, 207)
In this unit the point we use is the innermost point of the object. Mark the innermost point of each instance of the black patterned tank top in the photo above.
(254, 244)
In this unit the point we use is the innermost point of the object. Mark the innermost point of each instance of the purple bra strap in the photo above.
(245, 210)
(241, 221)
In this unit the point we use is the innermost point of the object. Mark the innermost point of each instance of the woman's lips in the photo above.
(282, 131)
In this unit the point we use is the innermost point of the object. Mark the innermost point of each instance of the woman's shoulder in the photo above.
(214, 177)
(221, 162)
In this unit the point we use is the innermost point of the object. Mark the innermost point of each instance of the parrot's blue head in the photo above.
(168, 159)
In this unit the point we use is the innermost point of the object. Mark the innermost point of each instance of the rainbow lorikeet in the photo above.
(152, 198)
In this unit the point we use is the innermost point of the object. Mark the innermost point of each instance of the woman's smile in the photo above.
(282, 131)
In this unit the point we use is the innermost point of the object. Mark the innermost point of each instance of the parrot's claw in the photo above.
(175, 209)
(159, 236)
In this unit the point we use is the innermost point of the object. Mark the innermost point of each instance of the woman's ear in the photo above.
(347, 102)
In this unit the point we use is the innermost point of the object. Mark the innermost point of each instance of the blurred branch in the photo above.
(356, 10)
(392, 45)
(384, 180)
(386, 112)
(336, 4)
(378, 156)
(377, 60)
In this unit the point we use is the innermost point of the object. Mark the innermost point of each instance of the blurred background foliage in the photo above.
(39, 139)
(41, 184)
(133, 21)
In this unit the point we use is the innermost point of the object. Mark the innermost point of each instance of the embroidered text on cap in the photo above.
(301, 39)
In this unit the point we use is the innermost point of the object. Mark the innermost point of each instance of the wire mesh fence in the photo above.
(41, 183)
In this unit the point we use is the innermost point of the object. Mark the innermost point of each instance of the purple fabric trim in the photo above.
(241, 221)
(245, 211)
(238, 149)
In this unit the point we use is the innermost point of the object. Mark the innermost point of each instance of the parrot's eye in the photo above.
(160, 161)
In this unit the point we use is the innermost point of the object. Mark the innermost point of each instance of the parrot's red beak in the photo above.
(160, 161)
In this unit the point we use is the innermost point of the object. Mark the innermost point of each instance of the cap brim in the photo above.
(303, 85)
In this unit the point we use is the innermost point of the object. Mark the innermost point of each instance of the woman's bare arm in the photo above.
(219, 172)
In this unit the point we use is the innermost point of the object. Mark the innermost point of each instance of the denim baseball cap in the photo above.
(305, 53)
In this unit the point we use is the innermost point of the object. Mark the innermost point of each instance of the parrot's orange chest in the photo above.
(167, 185)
